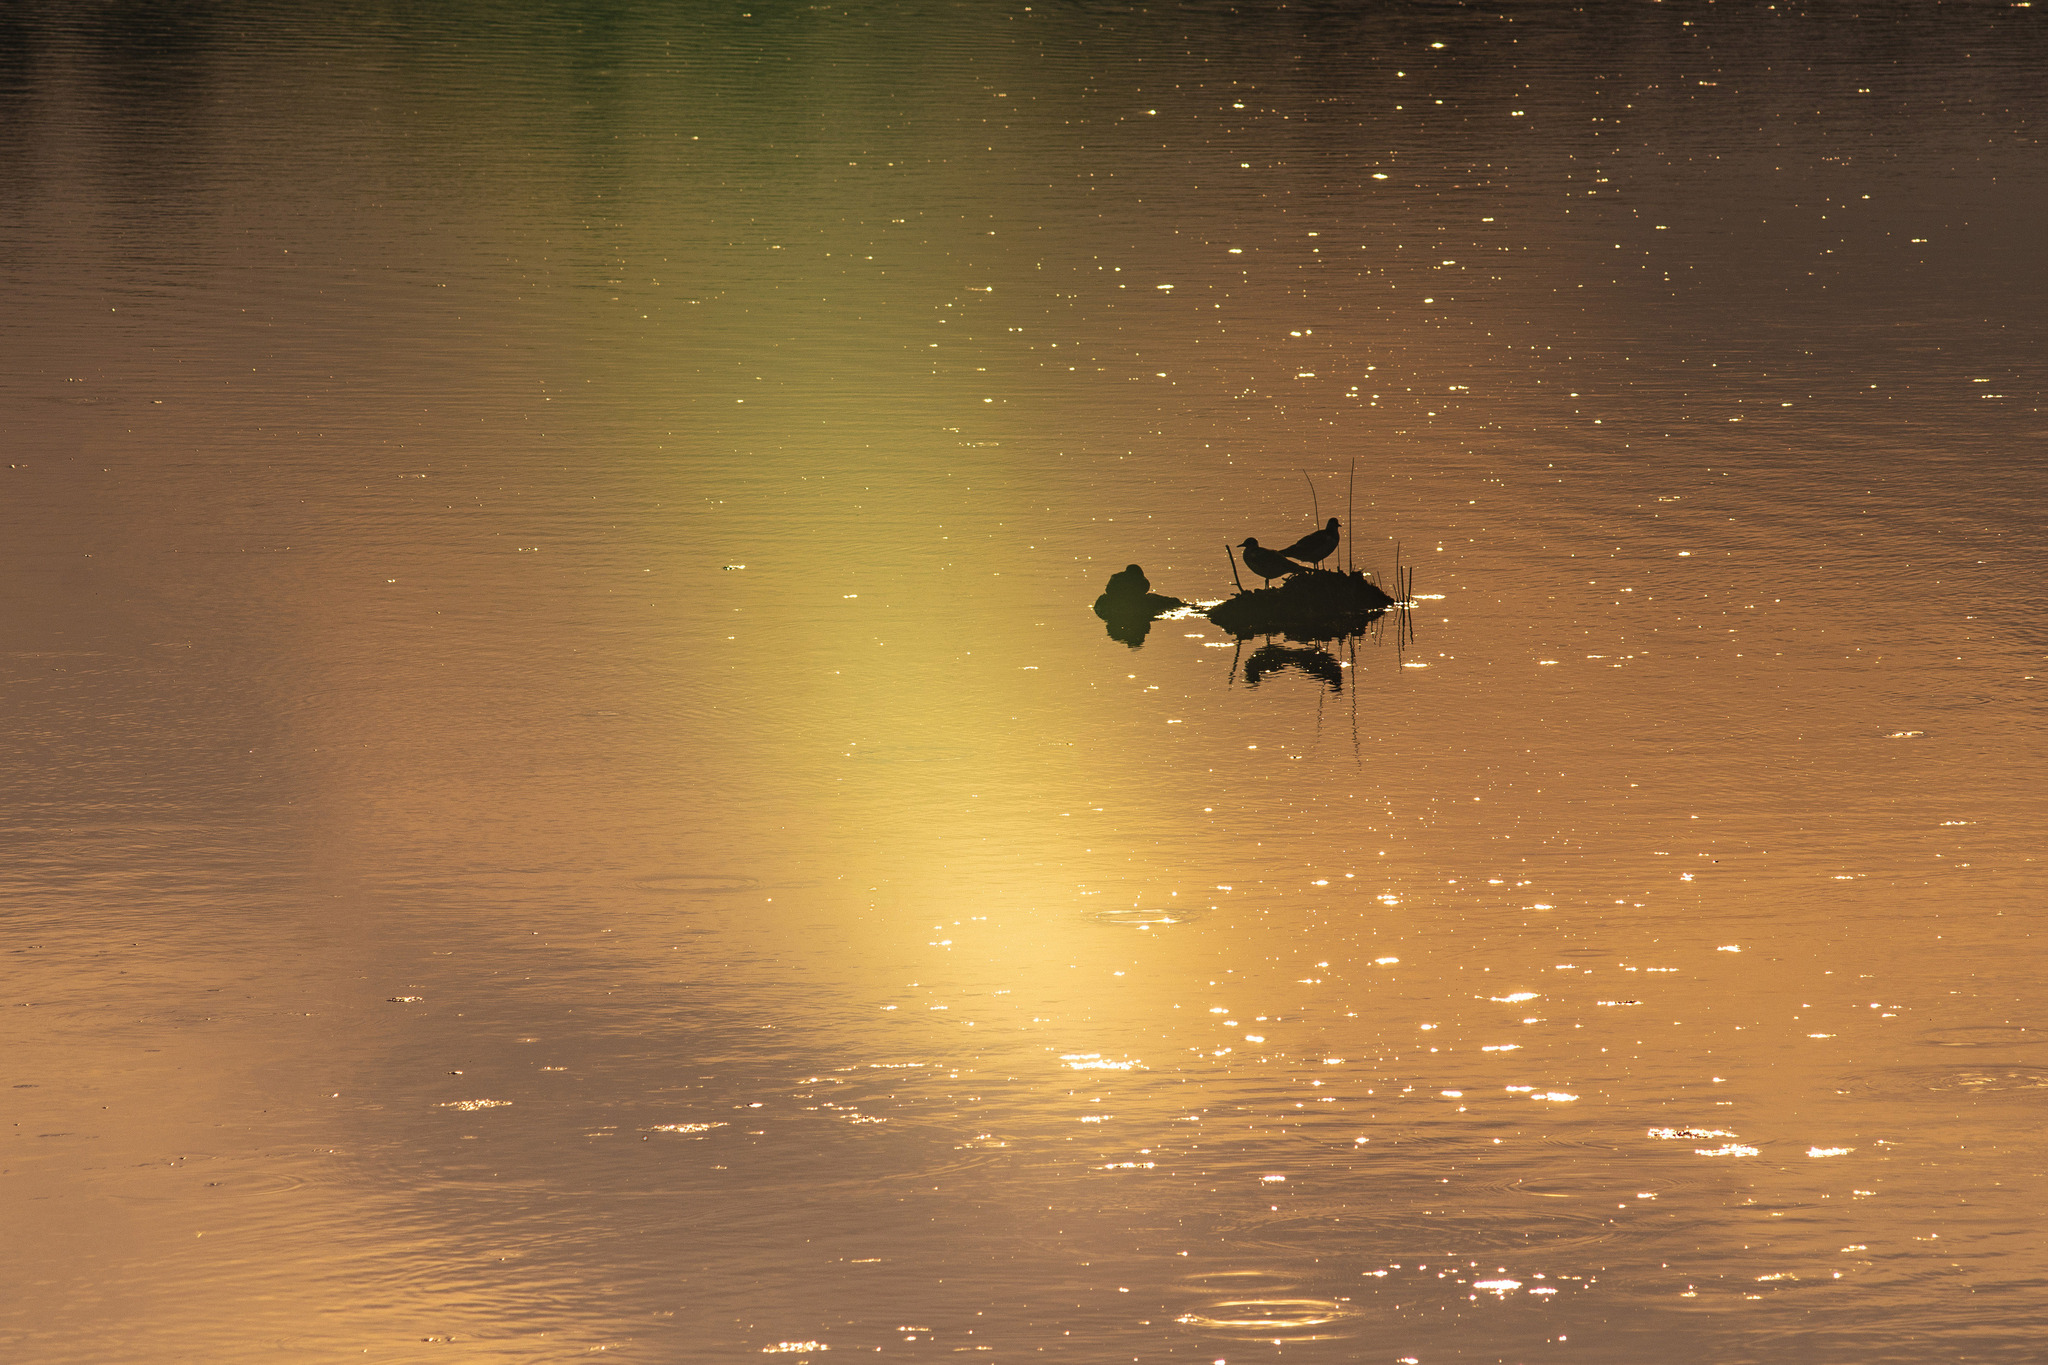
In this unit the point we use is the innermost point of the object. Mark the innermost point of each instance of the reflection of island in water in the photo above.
(1315, 655)
(1313, 660)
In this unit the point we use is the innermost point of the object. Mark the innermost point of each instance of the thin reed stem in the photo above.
(1350, 513)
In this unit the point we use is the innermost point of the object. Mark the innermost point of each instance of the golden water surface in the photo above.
(562, 795)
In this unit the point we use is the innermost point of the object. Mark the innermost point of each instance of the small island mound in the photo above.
(1314, 604)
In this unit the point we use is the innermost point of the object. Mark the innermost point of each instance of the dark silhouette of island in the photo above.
(1312, 604)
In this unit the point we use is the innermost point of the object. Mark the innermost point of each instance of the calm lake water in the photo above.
(562, 794)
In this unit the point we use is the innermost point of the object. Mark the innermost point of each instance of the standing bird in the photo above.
(1264, 562)
(1316, 546)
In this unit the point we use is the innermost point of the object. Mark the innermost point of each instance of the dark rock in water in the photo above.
(1315, 604)
(1144, 606)
(1130, 583)
(1129, 616)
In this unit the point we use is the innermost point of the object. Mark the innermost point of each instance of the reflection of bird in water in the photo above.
(1316, 546)
(1130, 583)
(1264, 562)
(1317, 663)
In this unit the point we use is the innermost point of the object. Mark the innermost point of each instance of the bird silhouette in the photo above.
(1130, 583)
(1316, 546)
(1266, 563)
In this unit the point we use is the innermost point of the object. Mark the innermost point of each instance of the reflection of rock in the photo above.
(1315, 604)
(1317, 663)
(1129, 615)
(1130, 630)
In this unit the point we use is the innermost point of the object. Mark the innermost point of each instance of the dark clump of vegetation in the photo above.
(1315, 604)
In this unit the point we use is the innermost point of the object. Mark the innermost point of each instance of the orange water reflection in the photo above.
(567, 796)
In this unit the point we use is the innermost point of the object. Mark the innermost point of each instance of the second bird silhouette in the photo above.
(1267, 564)
(1316, 546)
